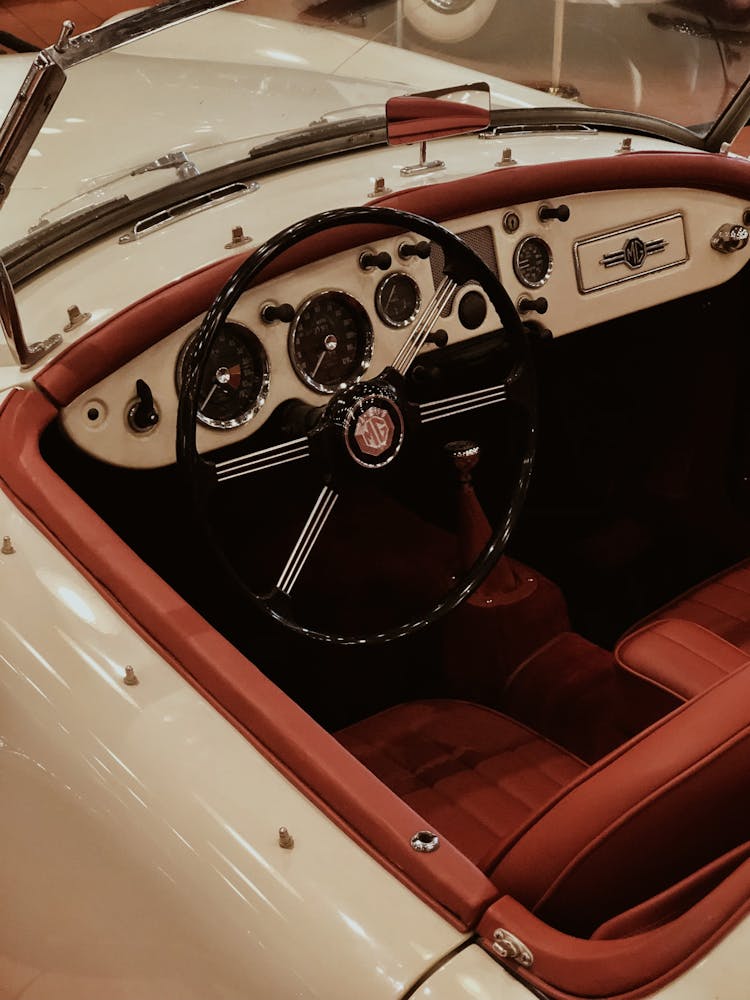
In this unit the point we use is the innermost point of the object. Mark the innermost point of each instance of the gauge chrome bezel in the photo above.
(246, 415)
(364, 364)
(532, 238)
(380, 309)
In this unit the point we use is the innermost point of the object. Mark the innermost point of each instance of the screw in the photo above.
(286, 840)
(626, 146)
(506, 160)
(7, 549)
(75, 318)
(130, 677)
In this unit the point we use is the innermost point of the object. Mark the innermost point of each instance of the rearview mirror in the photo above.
(437, 114)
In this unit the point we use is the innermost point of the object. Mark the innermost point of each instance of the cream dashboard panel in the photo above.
(587, 279)
(583, 288)
(98, 421)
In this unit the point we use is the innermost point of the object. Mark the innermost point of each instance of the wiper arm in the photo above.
(179, 161)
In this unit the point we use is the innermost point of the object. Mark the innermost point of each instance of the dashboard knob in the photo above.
(270, 312)
(730, 238)
(421, 250)
(369, 260)
(539, 305)
(438, 337)
(547, 213)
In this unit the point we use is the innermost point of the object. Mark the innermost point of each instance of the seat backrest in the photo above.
(667, 802)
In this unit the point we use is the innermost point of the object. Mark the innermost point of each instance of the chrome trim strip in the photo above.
(129, 29)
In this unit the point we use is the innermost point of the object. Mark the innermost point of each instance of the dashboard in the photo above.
(567, 264)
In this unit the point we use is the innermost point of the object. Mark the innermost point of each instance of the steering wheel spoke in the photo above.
(465, 402)
(262, 459)
(306, 542)
(424, 325)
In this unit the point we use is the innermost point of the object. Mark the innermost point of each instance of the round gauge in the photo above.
(532, 261)
(235, 379)
(330, 341)
(397, 299)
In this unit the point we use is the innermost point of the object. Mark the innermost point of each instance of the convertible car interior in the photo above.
(563, 752)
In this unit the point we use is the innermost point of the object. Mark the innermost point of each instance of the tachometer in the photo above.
(330, 340)
(532, 261)
(235, 379)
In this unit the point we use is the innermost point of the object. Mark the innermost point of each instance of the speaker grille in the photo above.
(480, 241)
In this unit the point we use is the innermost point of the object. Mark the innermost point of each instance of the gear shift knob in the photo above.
(464, 455)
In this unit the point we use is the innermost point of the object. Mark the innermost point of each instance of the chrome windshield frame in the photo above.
(47, 75)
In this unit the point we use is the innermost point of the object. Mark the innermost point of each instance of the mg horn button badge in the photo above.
(374, 431)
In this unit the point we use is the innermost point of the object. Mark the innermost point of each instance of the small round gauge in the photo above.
(397, 299)
(532, 261)
(330, 340)
(235, 378)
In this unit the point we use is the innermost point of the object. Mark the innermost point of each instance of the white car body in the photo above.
(140, 852)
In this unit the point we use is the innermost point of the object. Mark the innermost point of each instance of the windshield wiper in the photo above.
(364, 130)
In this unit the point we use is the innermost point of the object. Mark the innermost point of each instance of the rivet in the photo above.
(378, 187)
(130, 677)
(626, 146)
(506, 160)
(488, 600)
(75, 318)
(238, 238)
(286, 840)
(7, 549)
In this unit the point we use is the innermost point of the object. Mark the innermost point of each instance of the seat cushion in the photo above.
(473, 774)
(721, 604)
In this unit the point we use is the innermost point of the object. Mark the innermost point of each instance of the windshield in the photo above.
(215, 90)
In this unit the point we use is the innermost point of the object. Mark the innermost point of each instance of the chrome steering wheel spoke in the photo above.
(262, 460)
(465, 402)
(306, 542)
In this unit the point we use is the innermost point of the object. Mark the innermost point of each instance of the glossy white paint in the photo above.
(139, 828)
(139, 831)
(472, 974)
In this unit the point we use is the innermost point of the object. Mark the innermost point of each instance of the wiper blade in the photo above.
(53, 233)
(367, 125)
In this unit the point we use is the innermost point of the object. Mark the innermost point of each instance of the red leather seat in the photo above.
(721, 605)
(473, 774)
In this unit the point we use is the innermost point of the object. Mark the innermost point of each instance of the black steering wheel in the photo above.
(383, 433)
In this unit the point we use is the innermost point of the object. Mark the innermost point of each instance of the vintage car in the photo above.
(375, 472)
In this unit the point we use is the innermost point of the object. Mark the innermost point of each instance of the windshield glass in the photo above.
(210, 92)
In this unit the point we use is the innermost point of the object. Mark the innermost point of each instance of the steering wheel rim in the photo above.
(462, 264)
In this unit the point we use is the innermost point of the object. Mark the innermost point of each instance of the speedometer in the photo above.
(235, 378)
(330, 341)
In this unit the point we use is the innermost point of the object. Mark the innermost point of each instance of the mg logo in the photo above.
(635, 252)
(374, 431)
